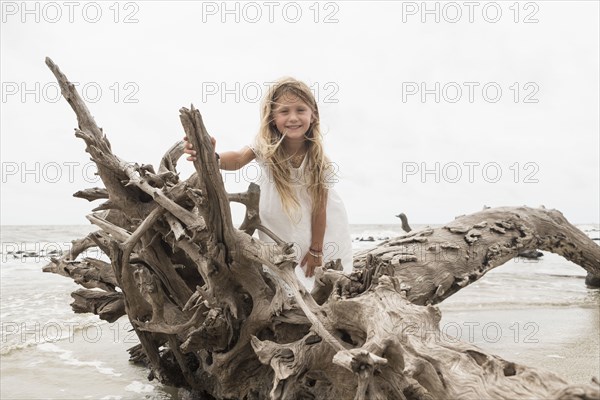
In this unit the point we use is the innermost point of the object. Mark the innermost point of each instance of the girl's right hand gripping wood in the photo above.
(189, 149)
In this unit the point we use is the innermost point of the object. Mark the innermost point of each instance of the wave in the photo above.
(67, 357)
(509, 305)
(23, 335)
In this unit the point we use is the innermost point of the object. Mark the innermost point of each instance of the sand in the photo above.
(564, 340)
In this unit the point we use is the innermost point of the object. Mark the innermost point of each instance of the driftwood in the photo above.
(207, 300)
(531, 254)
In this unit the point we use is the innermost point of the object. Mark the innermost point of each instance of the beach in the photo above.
(536, 313)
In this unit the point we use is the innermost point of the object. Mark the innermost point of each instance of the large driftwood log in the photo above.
(208, 304)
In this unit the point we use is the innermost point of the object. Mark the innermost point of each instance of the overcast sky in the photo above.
(431, 110)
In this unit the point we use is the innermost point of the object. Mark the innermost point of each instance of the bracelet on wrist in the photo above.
(315, 254)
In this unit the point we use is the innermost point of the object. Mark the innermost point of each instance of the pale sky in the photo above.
(496, 103)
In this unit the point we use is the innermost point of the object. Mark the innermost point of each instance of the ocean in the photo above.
(534, 312)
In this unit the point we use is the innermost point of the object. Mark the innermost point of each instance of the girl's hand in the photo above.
(189, 149)
(311, 262)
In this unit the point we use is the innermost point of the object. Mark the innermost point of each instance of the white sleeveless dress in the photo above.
(337, 241)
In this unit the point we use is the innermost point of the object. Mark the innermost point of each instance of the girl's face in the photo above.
(292, 116)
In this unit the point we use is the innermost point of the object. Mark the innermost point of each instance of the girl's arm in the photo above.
(318, 225)
(233, 160)
(228, 160)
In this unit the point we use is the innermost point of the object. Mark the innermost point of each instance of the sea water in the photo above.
(537, 312)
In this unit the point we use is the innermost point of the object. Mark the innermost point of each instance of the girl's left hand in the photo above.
(311, 263)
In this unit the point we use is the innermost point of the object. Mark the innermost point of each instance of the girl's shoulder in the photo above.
(253, 145)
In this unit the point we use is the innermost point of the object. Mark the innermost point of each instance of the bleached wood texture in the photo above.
(208, 304)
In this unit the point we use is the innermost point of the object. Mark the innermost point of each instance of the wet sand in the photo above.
(564, 340)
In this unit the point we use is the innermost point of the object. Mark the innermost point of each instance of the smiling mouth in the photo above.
(294, 127)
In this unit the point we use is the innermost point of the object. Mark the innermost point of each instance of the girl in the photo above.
(297, 199)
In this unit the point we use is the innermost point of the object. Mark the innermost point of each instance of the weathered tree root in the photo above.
(432, 264)
(208, 303)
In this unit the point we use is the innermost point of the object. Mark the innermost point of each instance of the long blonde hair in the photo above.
(269, 148)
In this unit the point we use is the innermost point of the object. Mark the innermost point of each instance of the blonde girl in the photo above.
(297, 199)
